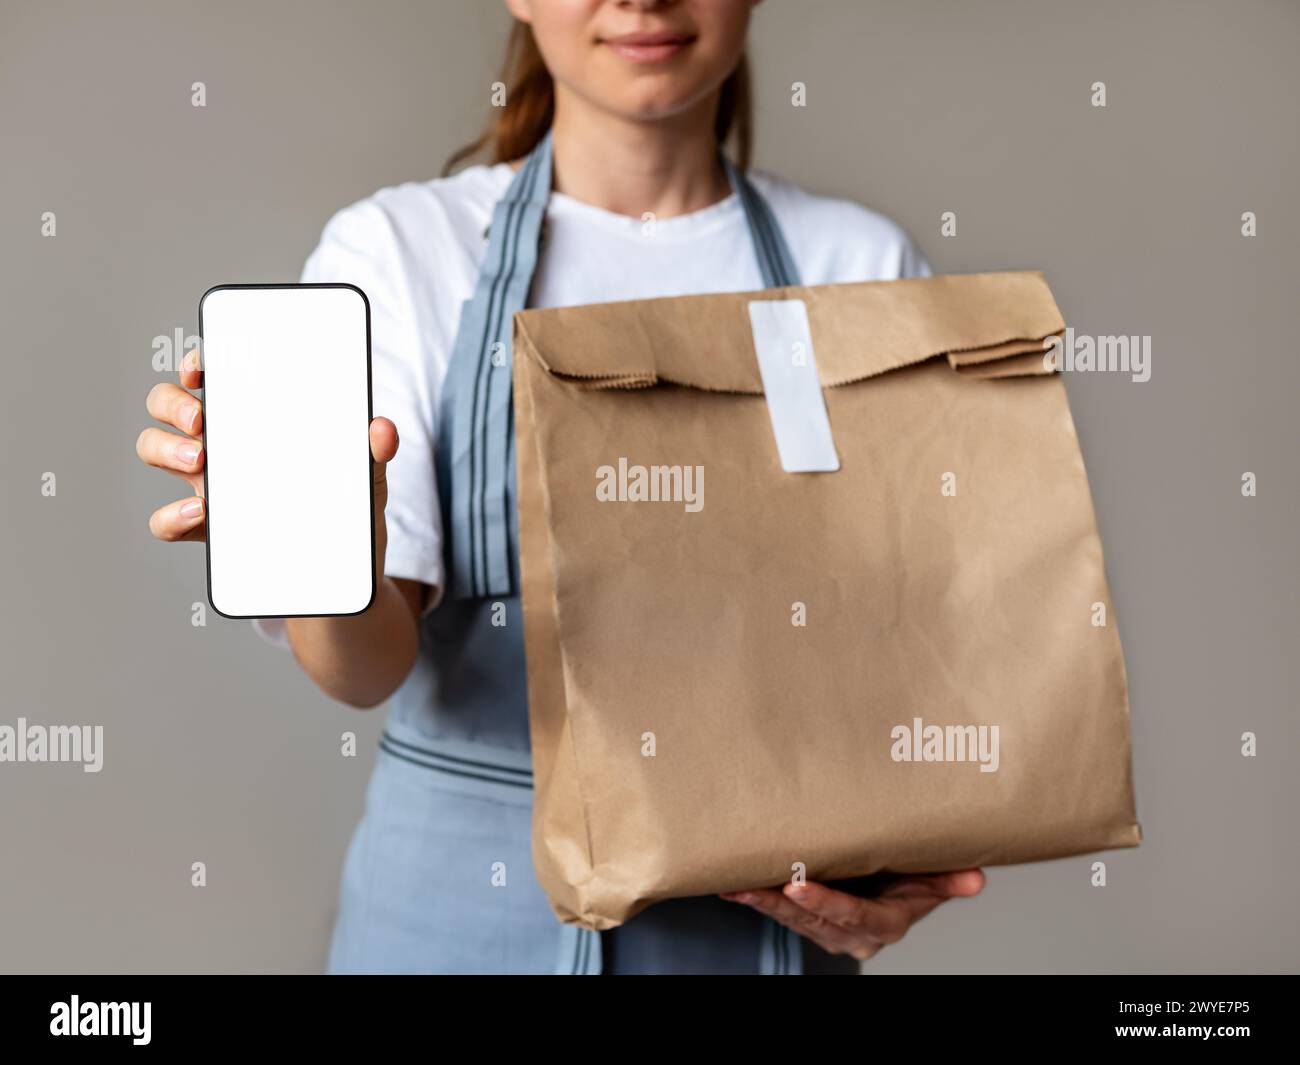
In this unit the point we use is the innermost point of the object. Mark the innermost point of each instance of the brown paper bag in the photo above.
(909, 664)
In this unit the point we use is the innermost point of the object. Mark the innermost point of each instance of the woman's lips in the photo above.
(648, 47)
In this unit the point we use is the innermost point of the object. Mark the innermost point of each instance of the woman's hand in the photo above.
(841, 923)
(182, 455)
(359, 660)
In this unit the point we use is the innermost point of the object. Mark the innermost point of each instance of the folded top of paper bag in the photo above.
(988, 325)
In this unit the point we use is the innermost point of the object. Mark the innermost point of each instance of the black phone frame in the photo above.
(370, 416)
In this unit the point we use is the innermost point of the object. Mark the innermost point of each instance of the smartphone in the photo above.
(287, 470)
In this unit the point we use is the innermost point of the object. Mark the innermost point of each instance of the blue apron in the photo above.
(439, 874)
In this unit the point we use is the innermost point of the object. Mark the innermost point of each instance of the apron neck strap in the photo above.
(775, 262)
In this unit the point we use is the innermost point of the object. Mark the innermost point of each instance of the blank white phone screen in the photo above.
(286, 391)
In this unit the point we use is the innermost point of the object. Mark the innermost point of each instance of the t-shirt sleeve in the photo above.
(837, 241)
(883, 251)
(360, 246)
(912, 263)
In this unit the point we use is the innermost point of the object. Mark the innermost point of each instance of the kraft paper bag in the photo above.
(852, 623)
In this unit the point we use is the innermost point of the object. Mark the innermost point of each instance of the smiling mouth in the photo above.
(648, 47)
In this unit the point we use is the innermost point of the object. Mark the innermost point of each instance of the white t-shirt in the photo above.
(415, 250)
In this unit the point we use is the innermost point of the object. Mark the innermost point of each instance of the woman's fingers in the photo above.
(173, 406)
(850, 911)
(191, 374)
(181, 455)
(771, 902)
(182, 520)
(865, 925)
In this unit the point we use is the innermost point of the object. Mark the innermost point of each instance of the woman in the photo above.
(607, 182)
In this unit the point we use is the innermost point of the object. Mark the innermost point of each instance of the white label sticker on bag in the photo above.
(795, 402)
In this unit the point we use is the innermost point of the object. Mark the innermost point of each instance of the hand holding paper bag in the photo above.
(892, 666)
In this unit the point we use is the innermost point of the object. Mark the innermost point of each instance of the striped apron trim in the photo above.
(579, 952)
(478, 418)
(472, 769)
(781, 952)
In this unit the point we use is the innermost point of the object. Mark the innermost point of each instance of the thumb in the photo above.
(383, 445)
(961, 884)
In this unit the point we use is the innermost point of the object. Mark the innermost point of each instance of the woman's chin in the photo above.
(649, 102)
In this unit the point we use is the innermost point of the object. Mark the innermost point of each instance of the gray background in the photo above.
(218, 749)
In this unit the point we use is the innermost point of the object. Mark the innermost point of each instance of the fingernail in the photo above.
(192, 509)
(191, 416)
(188, 454)
(798, 889)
